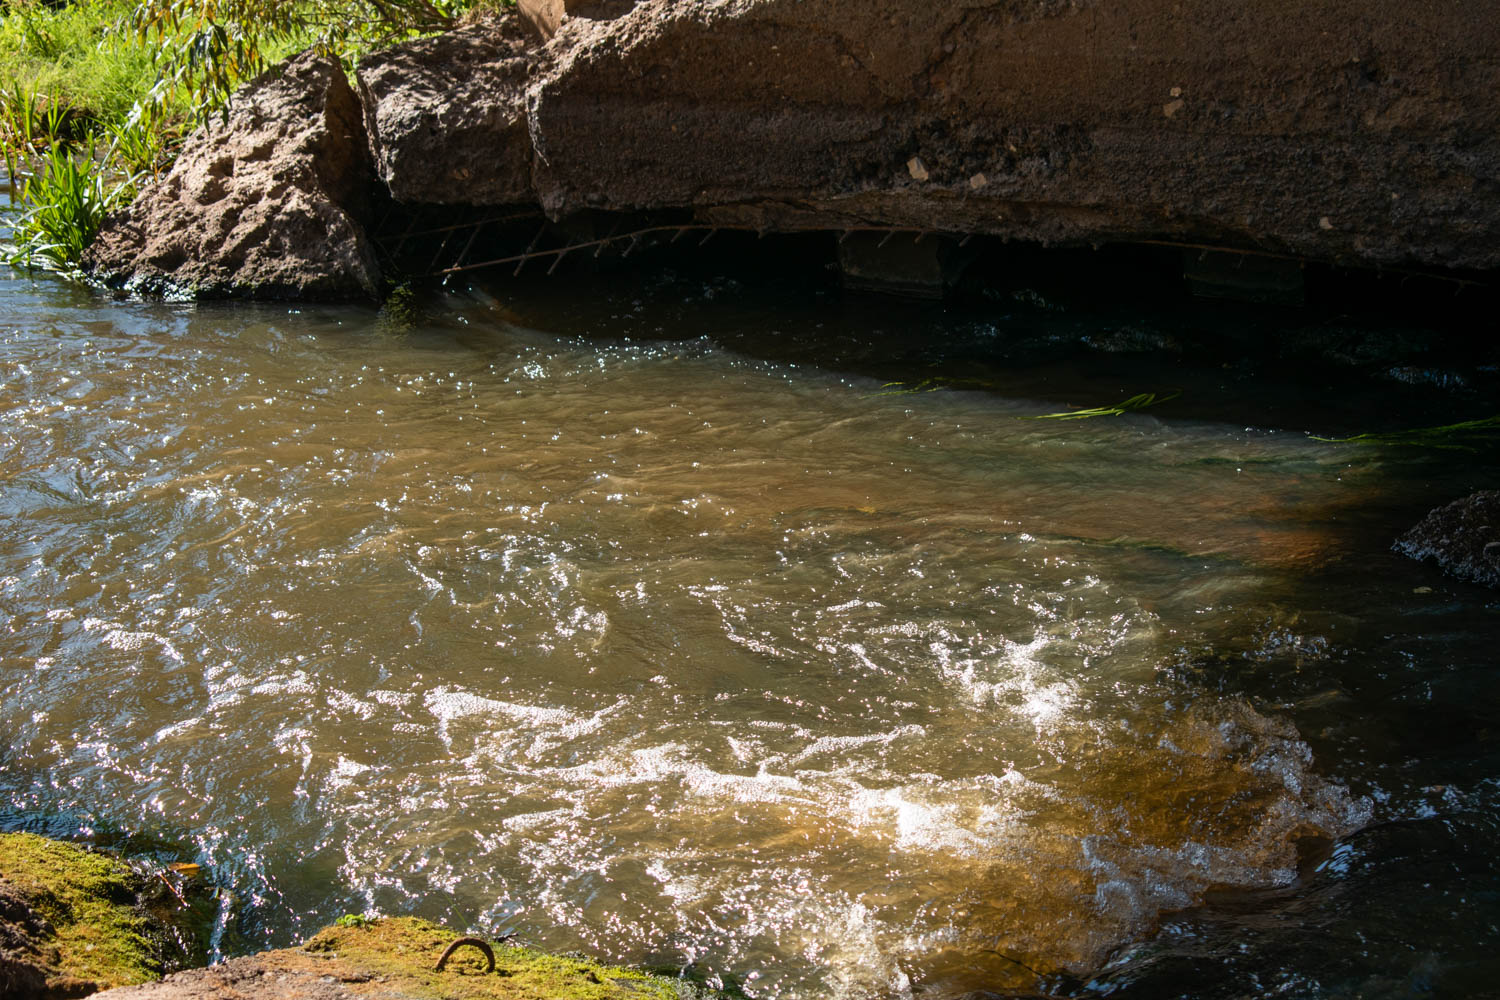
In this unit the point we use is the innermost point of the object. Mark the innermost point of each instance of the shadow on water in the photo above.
(1060, 330)
(1074, 327)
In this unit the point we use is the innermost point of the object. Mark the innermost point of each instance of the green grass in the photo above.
(89, 899)
(80, 54)
(85, 111)
(97, 93)
(80, 117)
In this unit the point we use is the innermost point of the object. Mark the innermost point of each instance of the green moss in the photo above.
(405, 950)
(89, 899)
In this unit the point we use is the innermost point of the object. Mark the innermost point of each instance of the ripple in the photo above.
(658, 650)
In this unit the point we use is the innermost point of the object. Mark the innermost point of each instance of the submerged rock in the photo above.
(271, 204)
(1463, 538)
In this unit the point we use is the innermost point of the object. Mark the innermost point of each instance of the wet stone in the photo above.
(1463, 538)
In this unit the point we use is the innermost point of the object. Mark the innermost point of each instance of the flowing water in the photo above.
(657, 622)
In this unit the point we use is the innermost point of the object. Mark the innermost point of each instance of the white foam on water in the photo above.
(547, 728)
(1055, 868)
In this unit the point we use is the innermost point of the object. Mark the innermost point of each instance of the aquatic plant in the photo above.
(1443, 436)
(1137, 402)
(930, 385)
(68, 197)
(32, 122)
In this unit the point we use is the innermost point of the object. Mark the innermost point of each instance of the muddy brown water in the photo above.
(656, 621)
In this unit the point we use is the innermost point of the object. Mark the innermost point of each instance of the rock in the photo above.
(546, 16)
(272, 204)
(871, 262)
(1070, 122)
(447, 115)
(393, 957)
(95, 937)
(1131, 339)
(792, 114)
(1463, 538)
(22, 936)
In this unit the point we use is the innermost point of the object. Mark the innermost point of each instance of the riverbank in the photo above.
(396, 957)
(1073, 125)
(73, 924)
(70, 921)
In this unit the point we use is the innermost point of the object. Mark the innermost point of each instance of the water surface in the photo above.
(599, 619)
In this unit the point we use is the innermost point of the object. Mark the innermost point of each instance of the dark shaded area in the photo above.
(1366, 351)
(1462, 537)
(1403, 909)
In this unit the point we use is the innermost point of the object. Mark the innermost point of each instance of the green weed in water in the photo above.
(1445, 436)
(1137, 402)
(31, 121)
(930, 385)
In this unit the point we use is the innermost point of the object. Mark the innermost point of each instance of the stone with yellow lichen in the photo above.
(394, 959)
(404, 951)
(69, 925)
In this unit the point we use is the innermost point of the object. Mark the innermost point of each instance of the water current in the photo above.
(681, 623)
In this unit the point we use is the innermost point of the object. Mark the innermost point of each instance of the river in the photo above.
(711, 623)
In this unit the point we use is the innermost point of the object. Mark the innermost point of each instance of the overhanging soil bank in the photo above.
(1354, 131)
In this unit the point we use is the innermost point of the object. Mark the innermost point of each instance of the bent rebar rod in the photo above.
(472, 942)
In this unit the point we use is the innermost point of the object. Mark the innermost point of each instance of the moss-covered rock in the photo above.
(403, 952)
(69, 925)
(395, 959)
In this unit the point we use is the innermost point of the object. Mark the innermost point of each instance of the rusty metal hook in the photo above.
(473, 942)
